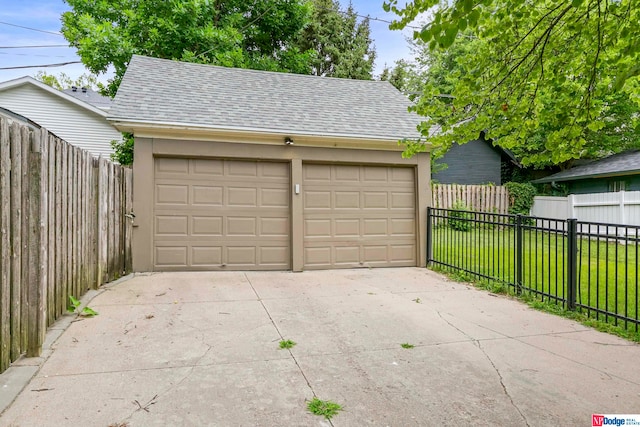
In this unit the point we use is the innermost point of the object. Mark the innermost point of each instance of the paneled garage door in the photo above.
(227, 214)
(358, 216)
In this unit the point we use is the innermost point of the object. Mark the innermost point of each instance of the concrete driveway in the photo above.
(196, 349)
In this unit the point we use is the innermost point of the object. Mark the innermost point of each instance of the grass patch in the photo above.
(607, 270)
(324, 408)
(287, 344)
(545, 306)
(407, 345)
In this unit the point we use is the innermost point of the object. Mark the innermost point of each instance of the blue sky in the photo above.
(45, 15)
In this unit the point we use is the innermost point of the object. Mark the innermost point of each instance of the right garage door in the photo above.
(358, 216)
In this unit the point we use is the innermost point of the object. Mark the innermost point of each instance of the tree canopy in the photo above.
(260, 34)
(63, 81)
(341, 42)
(551, 80)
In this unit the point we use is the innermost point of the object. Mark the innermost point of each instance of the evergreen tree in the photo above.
(341, 42)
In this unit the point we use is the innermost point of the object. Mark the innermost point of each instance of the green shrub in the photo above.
(520, 197)
(123, 150)
(459, 219)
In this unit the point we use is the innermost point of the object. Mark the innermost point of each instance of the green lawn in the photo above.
(607, 271)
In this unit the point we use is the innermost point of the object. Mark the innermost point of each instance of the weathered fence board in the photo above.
(481, 198)
(5, 245)
(62, 231)
(51, 227)
(24, 239)
(16, 205)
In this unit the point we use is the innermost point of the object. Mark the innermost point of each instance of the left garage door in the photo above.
(221, 214)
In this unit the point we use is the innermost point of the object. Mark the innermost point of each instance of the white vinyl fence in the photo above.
(622, 208)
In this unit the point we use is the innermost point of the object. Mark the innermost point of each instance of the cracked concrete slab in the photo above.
(197, 349)
(450, 384)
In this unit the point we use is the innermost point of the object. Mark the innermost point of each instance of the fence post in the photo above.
(623, 216)
(519, 254)
(429, 236)
(571, 206)
(572, 267)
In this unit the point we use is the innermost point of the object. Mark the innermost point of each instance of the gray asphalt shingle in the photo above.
(91, 97)
(171, 92)
(618, 164)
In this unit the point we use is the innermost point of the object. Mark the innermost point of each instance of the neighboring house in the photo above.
(476, 162)
(252, 170)
(73, 118)
(619, 172)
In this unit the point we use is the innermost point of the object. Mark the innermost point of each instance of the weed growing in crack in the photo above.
(286, 344)
(325, 408)
(74, 306)
(407, 345)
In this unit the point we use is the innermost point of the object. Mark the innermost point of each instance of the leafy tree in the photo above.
(551, 80)
(123, 149)
(62, 81)
(342, 43)
(259, 34)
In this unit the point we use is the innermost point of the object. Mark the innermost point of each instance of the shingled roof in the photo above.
(90, 96)
(165, 92)
(626, 163)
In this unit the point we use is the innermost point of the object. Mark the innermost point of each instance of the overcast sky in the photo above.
(44, 15)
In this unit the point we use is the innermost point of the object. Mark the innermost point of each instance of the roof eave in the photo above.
(149, 129)
(30, 80)
(590, 176)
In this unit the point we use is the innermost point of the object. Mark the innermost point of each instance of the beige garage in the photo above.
(357, 216)
(252, 170)
(211, 213)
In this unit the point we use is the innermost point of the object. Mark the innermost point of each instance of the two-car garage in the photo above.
(236, 215)
(239, 169)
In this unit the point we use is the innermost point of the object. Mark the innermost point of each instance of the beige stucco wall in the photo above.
(146, 149)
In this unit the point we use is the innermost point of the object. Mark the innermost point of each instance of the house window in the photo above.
(615, 186)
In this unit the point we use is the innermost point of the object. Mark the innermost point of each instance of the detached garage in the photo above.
(252, 170)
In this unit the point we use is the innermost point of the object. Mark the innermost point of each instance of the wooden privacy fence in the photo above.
(63, 231)
(479, 198)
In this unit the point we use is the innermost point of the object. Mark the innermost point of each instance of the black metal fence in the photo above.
(588, 266)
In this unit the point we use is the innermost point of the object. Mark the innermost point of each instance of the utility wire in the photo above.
(34, 54)
(34, 46)
(344, 12)
(242, 30)
(61, 64)
(384, 20)
(29, 28)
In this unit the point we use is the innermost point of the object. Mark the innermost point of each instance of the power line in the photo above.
(34, 46)
(344, 12)
(61, 64)
(385, 21)
(29, 28)
(34, 54)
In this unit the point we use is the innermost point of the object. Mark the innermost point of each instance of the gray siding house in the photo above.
(476, 162)
(620, 172)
